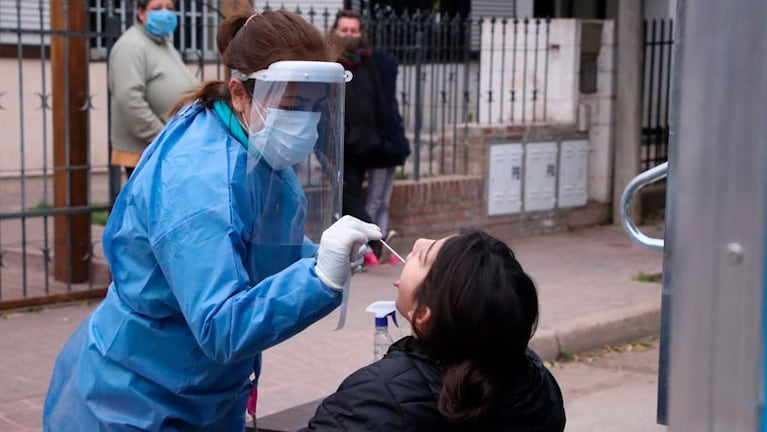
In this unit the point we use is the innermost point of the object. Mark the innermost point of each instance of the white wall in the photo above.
(502, 69)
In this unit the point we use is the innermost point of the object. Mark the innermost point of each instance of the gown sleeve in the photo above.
(201, 258)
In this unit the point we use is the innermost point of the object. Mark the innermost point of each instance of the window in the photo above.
(27, 23)
(21, 21)
(195, 37)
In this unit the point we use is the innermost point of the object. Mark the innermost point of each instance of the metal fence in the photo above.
(454, 72)
(658, 46)
(46, 251)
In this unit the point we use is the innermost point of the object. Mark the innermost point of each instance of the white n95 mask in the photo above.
(287, 138)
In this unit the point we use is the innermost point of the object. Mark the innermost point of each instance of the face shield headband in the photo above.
(295, 109)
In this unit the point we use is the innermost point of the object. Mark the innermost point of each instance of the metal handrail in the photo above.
(650, 176)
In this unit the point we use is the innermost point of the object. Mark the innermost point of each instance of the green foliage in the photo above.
(42, 205)
(99, 217)
(565, 354)
(645, 343)
(653, 277)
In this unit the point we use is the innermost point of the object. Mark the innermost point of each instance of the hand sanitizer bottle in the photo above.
(381, 338)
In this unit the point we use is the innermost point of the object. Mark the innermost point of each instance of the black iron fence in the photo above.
(456, 71)
(54, 189)
(658, 45)
(48, 192)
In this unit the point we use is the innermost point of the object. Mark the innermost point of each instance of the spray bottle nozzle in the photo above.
(382, 310)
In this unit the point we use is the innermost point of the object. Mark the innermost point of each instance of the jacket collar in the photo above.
(414, 348)
(159, 40)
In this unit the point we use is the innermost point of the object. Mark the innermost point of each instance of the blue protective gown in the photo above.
(209, 269)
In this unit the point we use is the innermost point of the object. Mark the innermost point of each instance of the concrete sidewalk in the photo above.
(587, 292)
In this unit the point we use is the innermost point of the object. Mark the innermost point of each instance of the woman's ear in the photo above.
(421, 318)
(240, 99)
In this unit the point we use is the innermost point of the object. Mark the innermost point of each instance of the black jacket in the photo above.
(400, 393)
(374, 132)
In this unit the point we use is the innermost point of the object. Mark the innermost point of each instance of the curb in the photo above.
(585, 333)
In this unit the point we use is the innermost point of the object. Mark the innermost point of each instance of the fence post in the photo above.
(72, 233)
(115, 173)
(418, 113)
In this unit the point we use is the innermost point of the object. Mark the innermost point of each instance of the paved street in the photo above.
(611, 390)
(589, 297)
(605, 390)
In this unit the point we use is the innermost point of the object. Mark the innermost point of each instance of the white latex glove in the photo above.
(339, 245)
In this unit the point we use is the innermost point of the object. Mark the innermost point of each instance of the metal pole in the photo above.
(716, 222)
(115, 173)
(44, 107)
(418, 98)
(664, 358)
(22, 162)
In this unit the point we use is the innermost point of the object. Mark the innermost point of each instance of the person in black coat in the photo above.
(473, 311)
(374, 136)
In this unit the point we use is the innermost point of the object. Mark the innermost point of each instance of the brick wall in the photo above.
(441, 205)
(438, 206)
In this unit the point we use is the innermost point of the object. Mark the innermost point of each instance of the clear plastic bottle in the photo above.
(381, 338)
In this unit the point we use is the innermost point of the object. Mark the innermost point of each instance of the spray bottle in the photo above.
(381, 338)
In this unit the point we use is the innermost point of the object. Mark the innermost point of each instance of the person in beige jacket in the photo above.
(146, 78)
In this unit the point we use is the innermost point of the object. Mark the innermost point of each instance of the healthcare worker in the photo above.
(211, 243)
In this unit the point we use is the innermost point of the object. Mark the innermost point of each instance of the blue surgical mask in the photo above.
(287, 138)
(161, 22)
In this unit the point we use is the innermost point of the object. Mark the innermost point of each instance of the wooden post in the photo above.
(72, 234)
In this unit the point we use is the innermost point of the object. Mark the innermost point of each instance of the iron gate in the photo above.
(47, 190)
(658, 45)
(56, 184)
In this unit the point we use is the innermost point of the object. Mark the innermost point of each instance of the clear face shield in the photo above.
(295, 154)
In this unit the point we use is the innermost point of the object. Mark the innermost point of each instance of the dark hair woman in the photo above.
(473, 310)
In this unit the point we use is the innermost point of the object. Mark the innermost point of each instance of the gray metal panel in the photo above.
(540, 176)
(573, 173)
(718, 184)
(504, 187)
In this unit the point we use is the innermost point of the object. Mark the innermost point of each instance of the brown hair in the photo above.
(268, 37)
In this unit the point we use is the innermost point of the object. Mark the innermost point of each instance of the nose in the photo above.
(421, 243)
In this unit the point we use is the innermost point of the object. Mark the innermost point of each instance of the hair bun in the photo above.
(228, 30)
(466, 393)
